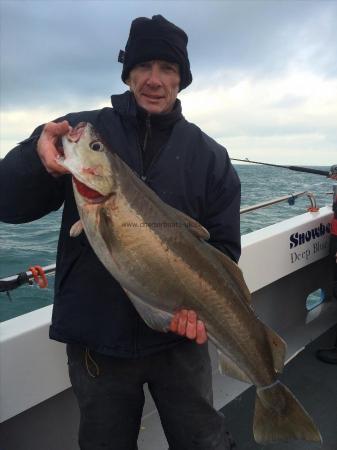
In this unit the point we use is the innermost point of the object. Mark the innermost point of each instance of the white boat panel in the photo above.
(32, 367)
(270, 253)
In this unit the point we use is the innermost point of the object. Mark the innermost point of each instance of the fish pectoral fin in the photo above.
(105, 227)
(155, 318)
(76, 229)
(228, 367)
(278, 348)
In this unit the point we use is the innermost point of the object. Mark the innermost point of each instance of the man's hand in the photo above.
(186, 323)
(47, 146)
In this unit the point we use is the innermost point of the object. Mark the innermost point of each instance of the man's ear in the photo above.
(127, 81)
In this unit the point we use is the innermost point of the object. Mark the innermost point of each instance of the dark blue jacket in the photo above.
(191, 173)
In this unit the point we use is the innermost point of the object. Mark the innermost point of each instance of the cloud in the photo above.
(64, 48)
(18, 124)
(287, 120)
(264, 72)
(292, 118)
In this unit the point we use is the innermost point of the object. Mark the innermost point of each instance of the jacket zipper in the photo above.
(140, 156)
(147, 131)
(159, 152)
(162, 148)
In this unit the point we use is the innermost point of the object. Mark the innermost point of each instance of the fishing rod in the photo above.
(333, 169)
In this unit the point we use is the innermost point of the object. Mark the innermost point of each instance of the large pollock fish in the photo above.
(161, 258)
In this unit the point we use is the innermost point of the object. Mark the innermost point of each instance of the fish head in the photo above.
(87, 158)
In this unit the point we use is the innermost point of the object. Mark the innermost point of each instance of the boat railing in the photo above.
(289, 198)
(12, 282)
(9, 283)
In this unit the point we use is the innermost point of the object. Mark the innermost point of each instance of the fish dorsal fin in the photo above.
(235, 271)
(228, 367)
(155, 318)
(278, 348)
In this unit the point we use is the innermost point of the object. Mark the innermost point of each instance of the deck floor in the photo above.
(313, 382)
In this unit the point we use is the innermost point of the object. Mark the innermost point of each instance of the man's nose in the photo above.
(154, 78)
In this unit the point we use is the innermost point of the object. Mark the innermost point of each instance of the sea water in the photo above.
(24, 245)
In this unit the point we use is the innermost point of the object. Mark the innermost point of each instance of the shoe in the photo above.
(327, 355)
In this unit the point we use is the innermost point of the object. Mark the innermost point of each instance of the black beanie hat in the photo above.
(156, 38)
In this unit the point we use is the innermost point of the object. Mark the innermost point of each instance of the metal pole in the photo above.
(47, 270)
(334, 192)
(279, 200)
(333, 241)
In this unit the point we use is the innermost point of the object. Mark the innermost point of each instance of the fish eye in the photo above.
(96, 146)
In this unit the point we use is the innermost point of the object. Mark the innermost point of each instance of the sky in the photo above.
(264, 72)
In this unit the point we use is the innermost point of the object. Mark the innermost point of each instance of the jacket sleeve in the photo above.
(27, 190)
(222, 219)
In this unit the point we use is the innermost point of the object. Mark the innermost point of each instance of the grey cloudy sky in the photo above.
(265, 72)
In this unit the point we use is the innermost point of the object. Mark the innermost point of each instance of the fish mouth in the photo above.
(88, 193)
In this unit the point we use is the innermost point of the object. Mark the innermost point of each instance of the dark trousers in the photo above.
(111, 398)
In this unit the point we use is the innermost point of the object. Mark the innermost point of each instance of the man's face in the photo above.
(155, 85)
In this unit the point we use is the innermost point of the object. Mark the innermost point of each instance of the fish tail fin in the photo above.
(280, 417)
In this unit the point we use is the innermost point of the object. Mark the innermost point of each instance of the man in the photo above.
(111, 351)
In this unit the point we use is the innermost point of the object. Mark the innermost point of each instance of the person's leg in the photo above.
(110, 397)
(181, 386)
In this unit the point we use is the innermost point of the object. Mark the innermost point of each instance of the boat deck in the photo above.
(314, 383)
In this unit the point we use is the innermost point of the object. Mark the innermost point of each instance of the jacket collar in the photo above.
(124, 104)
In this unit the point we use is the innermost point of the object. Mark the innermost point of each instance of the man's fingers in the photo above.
(201, 333)
(191, 325)
(178, 322)
(56, 129)
(186, 323)
(48, 146)
(182, 322)
(174, 323)
(54, 168)
(49, 157)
